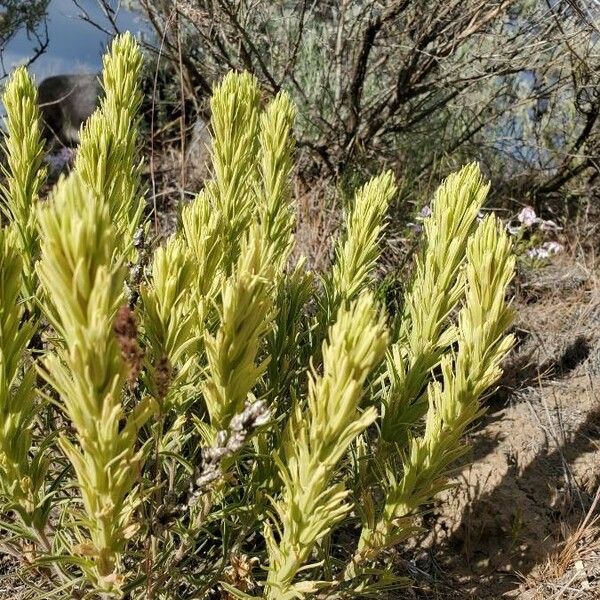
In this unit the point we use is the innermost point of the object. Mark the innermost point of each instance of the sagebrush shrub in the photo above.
(204, 415)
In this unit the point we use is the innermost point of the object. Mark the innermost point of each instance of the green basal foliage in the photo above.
(206, 416)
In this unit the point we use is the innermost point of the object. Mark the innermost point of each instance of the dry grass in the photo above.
(317, 220)
(572, 572)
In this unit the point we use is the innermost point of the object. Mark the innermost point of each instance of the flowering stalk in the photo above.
(453, 402)
(275, 165)
(235, 122)
(201, 231)
(107, 158)
(170, 324)
(84, 286)
(245, 312)
(318, 438)
(21, 477)
(25, 174)
(356, 253)
(425, 332)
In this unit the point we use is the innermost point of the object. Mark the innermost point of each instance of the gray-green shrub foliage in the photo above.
(421, 85)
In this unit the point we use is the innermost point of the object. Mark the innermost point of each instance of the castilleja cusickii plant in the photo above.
(202, 416)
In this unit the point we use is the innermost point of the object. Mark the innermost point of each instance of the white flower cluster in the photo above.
(546, 250)
(528, 220)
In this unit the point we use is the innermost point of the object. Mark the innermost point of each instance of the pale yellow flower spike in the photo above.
(235, 120)
(275, 159)
(25, 173)
(357, 251)
(84, 286)
(107, 158)
(436, 289)
(200, 229)
(244, 316)
(454, 402)
(318, 438)
(169, 317)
